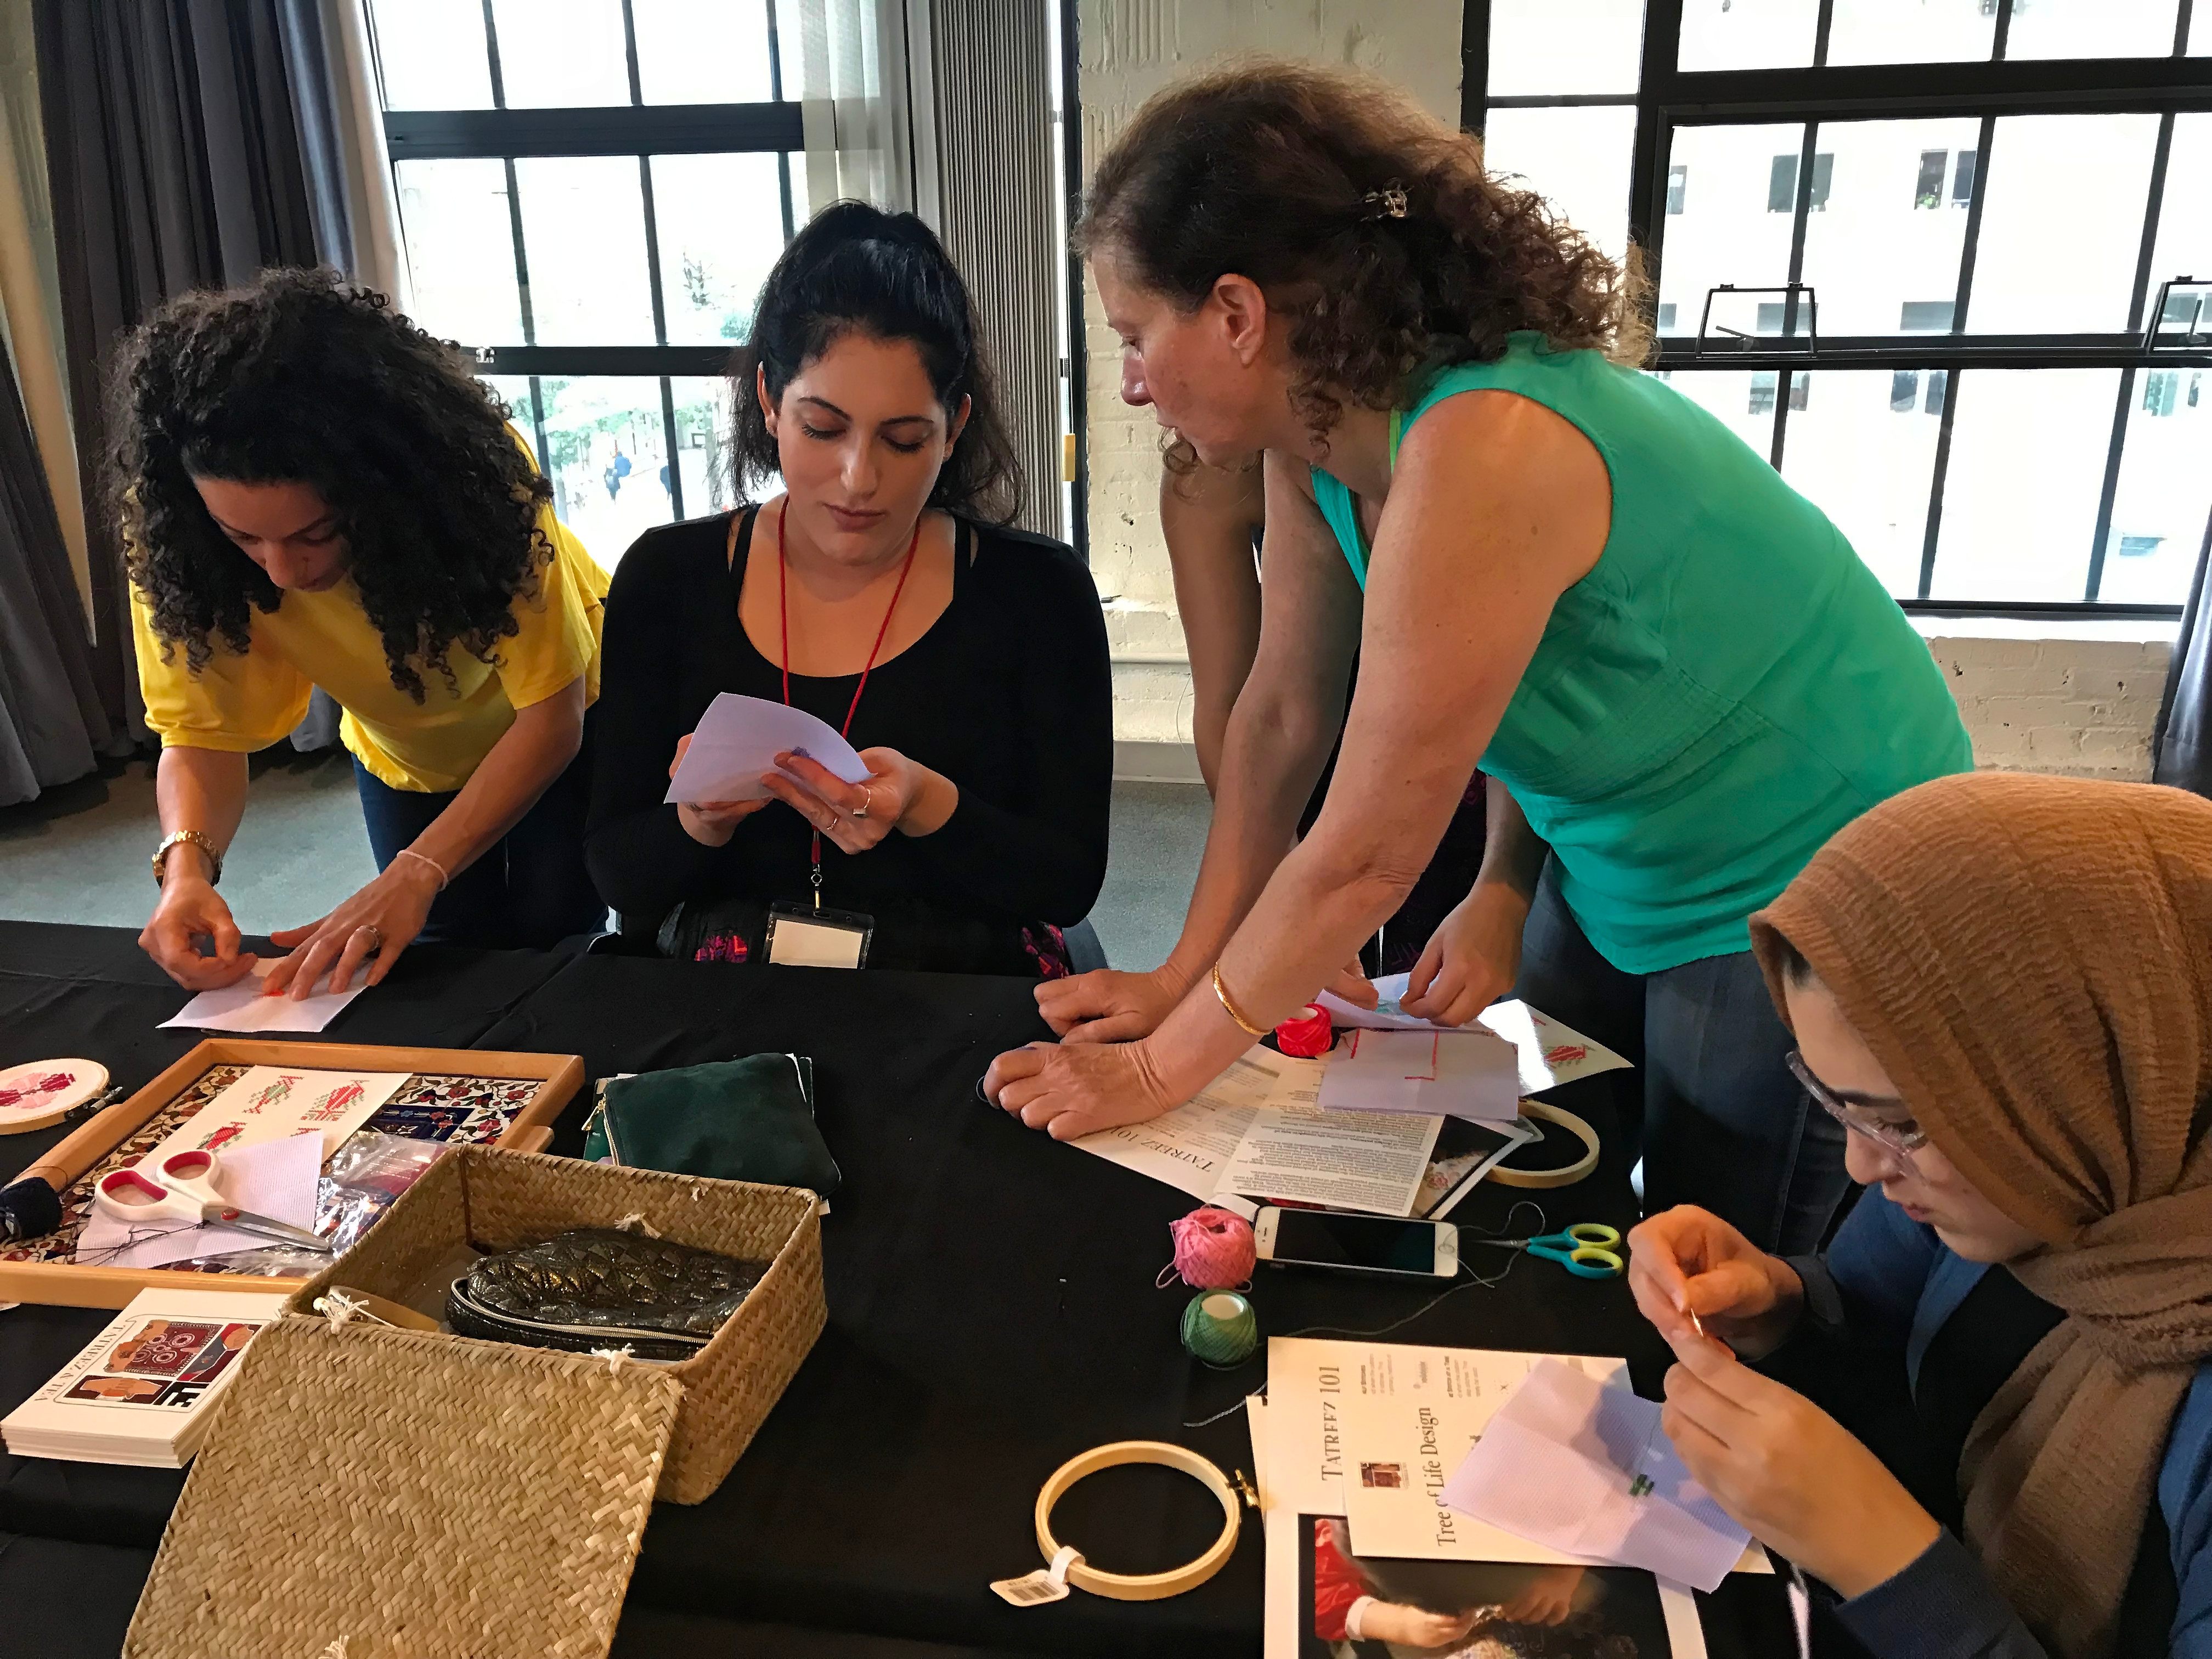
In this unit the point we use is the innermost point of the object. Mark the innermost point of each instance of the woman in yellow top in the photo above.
(319, 494)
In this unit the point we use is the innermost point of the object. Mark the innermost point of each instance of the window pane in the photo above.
(432, 55)
(555, 54)
(1913, 31)
(702, 445)
(1577, 158)
(514, 390)
(1726, 232)
(1863, 447)
(719, 220)
(1733, 395)
(2020, 496)
(2185, 223)
(2164, 490)
(2099, 166)
(1539, 46)
(1727, 34)
(606, 455)
(460, 249)
(1886, 247)
(583, 228)
(687, 54)
(2091, 28)
(2200, 32)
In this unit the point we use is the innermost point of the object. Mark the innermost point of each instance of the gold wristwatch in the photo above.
(206, 843)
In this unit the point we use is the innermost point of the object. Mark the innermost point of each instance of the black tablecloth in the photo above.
(991, 1312)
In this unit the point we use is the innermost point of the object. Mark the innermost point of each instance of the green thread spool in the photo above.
(1220, 1327)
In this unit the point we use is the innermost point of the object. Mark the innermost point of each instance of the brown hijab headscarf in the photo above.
(2030, 958)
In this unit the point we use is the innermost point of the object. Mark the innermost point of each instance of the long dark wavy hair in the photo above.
(1371, 224)
(300, 377)
(855, 267)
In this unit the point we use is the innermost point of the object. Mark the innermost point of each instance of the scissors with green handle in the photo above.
(1587, 1249)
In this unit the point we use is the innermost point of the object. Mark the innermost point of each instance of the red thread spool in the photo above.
(1306, 1035)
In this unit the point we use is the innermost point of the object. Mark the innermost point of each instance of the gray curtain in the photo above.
(50, 719)
(2181, 746)
(175, 153)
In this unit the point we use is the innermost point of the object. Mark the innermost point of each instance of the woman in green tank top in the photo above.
(1679, 676)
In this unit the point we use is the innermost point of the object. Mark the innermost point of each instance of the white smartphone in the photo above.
(1357, 1243)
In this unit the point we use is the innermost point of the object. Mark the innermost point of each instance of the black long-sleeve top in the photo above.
(1008, 694)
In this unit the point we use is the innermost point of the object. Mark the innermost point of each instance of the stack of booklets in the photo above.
(142, 1393)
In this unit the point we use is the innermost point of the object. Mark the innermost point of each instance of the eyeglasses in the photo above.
(1892, 1137)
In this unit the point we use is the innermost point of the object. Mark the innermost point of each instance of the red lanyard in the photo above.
(783, 615)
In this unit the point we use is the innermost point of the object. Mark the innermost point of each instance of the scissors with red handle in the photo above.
(183, 1189)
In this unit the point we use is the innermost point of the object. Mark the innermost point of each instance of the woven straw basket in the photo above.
(394, 1494)
(497, 1201)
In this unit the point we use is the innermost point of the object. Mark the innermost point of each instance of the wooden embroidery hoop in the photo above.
(1149, 1586)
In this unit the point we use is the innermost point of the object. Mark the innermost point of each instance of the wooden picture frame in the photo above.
(68, 1284)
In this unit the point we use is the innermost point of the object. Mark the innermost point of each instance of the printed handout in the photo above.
(1256, 1132)
(1306, 1438)
(738, 740)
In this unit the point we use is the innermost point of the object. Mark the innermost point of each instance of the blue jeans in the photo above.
(530, 891)
(1725, 1125)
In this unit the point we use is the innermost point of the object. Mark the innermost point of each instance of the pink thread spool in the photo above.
(1306, 1035)
(1213, 1249)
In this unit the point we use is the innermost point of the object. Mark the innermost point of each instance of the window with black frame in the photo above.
(590, 193)
(1972, 238)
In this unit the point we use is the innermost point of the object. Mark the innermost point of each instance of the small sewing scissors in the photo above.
(1587, 1249)
(183, 1189)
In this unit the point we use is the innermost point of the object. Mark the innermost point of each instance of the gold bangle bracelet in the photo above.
(1221, 993)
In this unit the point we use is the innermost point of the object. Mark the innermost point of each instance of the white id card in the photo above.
(800, 936)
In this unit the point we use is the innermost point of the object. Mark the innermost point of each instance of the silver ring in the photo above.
(867, 800)
(375, 936)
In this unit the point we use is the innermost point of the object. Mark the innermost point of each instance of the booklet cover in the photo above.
(140, 1392)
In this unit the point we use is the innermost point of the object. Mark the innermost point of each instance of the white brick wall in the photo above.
(2080, 707)
(1129, 49)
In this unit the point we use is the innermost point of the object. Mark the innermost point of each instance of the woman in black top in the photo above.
(970, 659)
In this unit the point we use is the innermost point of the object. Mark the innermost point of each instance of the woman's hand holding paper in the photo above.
(1788, 1472)
(1472, 959)
(1070, 1091)
(1686, 1262)
(898, 793)
(711, 823)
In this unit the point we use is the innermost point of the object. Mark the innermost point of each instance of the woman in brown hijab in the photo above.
(2003, 984)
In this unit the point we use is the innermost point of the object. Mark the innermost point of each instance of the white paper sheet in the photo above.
(1551, 1053)
(1473, 1074)
(1587, 1469)
(270, 1102)
(738, 738)
(1256, 1131)
(275, 1178)
(243, 1007)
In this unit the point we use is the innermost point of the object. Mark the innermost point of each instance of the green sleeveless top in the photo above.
(1726, 689)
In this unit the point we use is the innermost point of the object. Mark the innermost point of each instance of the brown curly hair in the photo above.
(1285, 172)
(299, 376)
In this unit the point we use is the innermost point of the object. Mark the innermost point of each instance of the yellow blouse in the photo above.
(241, 702)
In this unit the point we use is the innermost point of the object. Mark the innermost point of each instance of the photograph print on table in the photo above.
(1358, 1607)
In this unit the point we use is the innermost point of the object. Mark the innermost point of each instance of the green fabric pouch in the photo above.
(732, 1120)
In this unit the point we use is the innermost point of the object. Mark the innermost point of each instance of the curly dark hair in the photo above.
(301, 377)
(1285, 172)
(854, 266)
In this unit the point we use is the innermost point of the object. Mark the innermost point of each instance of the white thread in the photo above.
(635, 1221)
(614, 1357)
(337, 1648)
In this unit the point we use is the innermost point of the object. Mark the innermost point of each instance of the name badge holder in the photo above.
(808, 935)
